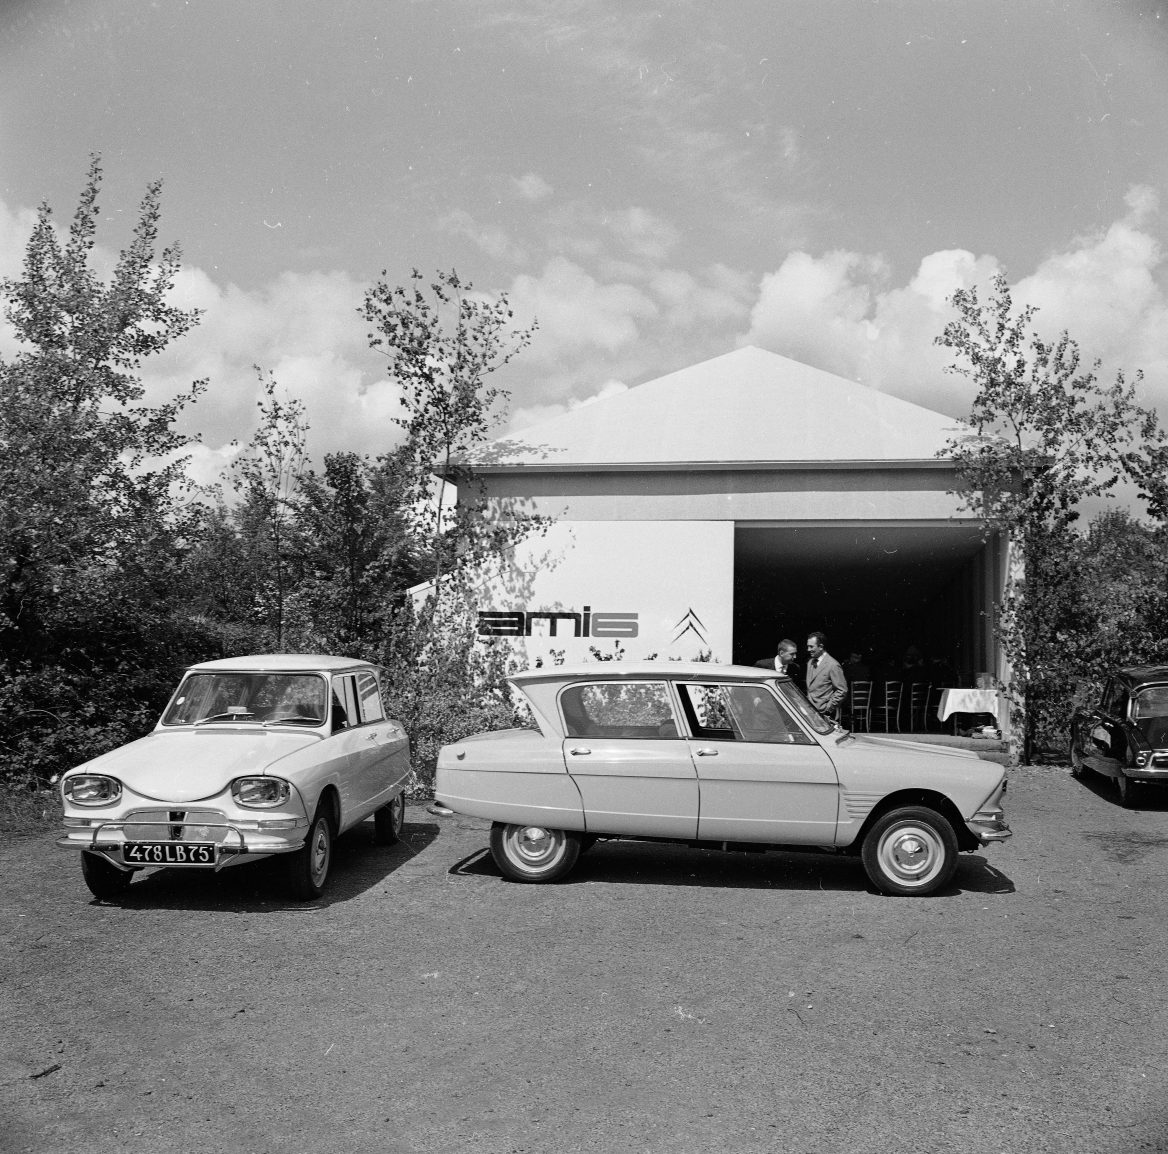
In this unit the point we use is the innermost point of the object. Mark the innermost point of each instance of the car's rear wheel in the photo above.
(910, 851)
(533, 853)
(389, 820)
(308, 867)
(103, 878)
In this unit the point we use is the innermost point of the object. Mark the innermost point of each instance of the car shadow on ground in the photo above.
(644, 863)
(1152, 798)
(358, 865)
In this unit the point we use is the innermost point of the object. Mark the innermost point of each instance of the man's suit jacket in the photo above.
(826, 684)
(792, 670)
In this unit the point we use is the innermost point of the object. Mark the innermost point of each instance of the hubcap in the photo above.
(320, 853)
(911, 854)
(534, 844)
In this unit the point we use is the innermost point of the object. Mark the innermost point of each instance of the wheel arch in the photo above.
(929, 799)
(330, 802)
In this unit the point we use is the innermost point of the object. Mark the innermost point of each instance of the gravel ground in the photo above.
(661, 999)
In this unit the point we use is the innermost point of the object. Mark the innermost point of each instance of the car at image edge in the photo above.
(715, 756)
(254, 756)
(1124, 736)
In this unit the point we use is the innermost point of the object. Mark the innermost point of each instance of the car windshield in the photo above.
(1150, 713)
(259, 698)
(793, 696)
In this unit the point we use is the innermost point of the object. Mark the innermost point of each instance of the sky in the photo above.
(652, 184)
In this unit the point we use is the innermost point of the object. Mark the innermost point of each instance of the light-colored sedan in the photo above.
(718, 756)
(254, 756)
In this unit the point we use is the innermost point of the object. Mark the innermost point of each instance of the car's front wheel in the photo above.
(389, 820)
(308, 867)
(104, 879)
(533, 853)
(1078, 768)
(1126, 788)
(910, 851)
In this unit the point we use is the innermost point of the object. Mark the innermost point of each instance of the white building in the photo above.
(744, 499)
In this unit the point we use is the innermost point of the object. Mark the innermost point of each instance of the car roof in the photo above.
(1143, 674)
(281, 663)
(638, 670)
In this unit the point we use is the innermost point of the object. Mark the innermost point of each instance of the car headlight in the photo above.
(260, 792)
(91, 789)
(1142, 759)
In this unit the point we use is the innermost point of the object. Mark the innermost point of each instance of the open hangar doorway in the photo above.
(876, 590)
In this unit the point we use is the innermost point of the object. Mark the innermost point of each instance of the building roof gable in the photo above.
(747, 406)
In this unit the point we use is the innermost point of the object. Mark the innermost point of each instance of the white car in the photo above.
(713, 755)
(254, 756)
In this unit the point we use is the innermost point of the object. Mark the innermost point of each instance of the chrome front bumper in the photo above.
(232, 842)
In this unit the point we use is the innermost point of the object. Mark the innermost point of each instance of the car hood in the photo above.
(919, 748)
(188, 765)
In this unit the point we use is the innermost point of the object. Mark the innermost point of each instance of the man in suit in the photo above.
(826, 685)
(784, 660)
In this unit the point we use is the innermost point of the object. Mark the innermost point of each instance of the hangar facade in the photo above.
(747, 498)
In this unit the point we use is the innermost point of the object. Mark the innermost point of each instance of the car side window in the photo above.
(740, 713)
(369, 698)
(630, 709)
(345, 713)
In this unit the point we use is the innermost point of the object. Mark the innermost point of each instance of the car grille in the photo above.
(176, 825)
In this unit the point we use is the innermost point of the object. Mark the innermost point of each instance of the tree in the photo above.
(442, 343)
(441, 348)
(1043, 434)
(357, 551)
(94, 509)
(89, 476)
(267, 477)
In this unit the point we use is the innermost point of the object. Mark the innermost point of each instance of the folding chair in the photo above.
(860, 705)
(918, 707)
(887, 707)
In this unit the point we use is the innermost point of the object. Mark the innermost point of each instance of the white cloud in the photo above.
(576, 311)
(303, 328)
(841, 313)
(532, 187)
(490, 239)
(529, 415)
(306, 332)
(608, 389)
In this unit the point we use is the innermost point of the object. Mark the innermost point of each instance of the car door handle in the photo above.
(579, 751)
(706, 752)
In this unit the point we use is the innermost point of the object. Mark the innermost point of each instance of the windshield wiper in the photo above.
(222, 717)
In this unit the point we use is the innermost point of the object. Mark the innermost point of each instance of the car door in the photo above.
(761, 777)
(381, 758)
(625, 754)
(345, 745)
(1105, 743)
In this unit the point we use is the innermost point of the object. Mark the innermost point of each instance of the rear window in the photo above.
(635, 709)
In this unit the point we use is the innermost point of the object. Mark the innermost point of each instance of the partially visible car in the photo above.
(1124, 735)
(254, 756)
(722, 756)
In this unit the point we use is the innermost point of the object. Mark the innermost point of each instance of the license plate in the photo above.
(169, 853)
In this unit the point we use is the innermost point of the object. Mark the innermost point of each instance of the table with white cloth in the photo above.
(967, 701)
